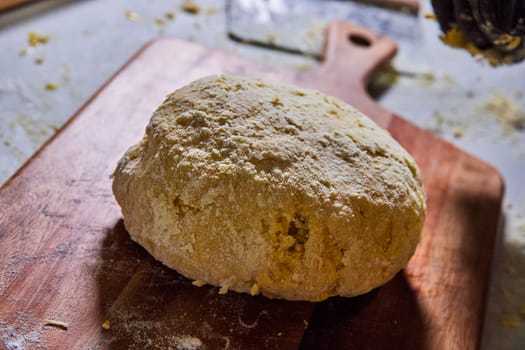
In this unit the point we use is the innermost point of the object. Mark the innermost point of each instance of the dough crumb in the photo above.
(50, 87)
(34, 39)
(191, 7)
(254, 290)
(131, 16)
(198, 283)
(54, 323)
(160, 22)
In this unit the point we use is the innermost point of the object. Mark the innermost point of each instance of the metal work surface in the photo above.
(80, 44)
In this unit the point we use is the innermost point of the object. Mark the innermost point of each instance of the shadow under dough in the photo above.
(149, 305)
(352, 323)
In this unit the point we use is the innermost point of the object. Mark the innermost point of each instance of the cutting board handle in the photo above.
(355, 50)
(351, 55)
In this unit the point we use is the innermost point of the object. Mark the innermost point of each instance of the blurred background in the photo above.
(55, 54)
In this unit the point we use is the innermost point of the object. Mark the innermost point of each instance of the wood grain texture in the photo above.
(7, 4)
(66, 254)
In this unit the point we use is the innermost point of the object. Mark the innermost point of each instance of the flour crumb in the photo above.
(305, 66)
(458, 132)
(212, 11)
(131, 16)
(187, 343)
(160, 22)
(26, 51)
(271, 37)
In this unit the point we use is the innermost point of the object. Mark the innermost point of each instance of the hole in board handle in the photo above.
(359, 40)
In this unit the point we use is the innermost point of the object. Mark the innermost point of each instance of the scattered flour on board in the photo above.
(507, 113)
(20, 339)
(482, 119)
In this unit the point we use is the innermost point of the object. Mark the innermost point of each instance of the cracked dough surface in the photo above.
(262, 187)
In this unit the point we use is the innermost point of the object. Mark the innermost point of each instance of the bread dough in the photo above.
(262, 187)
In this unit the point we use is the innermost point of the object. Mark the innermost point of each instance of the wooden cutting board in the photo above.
(66, 255)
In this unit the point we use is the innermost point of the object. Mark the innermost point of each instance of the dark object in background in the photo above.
(493, 28)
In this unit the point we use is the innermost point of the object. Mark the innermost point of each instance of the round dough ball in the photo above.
(262, 187)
